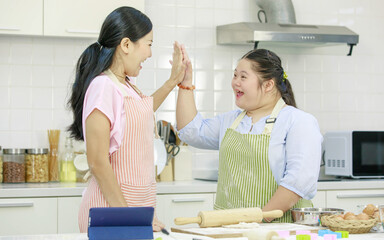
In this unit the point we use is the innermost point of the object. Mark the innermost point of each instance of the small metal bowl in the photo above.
(312, 216)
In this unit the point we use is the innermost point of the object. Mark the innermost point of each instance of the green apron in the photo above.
(245, 177)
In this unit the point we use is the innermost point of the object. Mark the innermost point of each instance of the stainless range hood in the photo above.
(281, 28)
(250, 32)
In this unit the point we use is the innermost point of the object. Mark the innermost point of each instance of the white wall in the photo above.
(342, 92)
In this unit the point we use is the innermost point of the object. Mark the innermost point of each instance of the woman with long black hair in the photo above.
(114, 118)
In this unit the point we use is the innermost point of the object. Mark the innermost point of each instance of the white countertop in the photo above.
(14, 190)
(83, 236)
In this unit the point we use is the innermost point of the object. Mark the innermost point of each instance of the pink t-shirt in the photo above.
(104, 95)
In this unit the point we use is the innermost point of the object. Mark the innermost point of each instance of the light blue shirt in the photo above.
(294, 149)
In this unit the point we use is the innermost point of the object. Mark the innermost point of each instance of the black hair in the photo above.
(121, 23)
(267, 65)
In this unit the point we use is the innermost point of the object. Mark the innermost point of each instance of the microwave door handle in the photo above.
(360, 195)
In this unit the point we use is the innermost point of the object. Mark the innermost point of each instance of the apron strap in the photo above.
(238, 120)
(114, 79)
(269, 122)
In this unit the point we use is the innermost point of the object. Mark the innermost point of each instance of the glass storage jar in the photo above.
(1, 165)
(13, 165)
(36, 165)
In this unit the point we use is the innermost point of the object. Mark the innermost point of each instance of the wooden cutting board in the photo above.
(223, 232)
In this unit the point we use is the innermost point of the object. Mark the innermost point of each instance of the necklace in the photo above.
(120, 77)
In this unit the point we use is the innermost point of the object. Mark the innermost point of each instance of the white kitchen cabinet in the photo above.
(349, 200)
(170, 206)
(320, 200)
(68, 18)
(21, 17)
(67, 214)
(22, 216)
(80, 18)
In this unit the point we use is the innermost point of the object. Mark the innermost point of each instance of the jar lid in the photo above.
(37, 151)
(14, 151)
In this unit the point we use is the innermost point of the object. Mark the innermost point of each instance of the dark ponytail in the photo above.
(122, 22)
(268, 66)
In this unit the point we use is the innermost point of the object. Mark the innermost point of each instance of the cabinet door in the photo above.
(320, 200)
(22, 216)
(349, 200)
(68, 209)
(21, 17)
(172, 206)
(80, 18)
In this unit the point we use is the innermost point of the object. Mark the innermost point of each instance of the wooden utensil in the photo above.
(218, 218)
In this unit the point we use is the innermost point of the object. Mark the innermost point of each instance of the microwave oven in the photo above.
(355, 154)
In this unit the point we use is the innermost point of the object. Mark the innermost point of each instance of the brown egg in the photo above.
(348, 214)
(362, 216)
(369, 209)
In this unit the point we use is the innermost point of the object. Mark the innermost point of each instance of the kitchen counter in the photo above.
(14, 190)
(83, 236)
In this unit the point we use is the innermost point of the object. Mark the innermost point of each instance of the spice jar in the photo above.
(1, 165)
(36, 164)
(13, 165)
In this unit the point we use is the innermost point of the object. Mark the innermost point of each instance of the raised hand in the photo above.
(178, 64)
(187, 81)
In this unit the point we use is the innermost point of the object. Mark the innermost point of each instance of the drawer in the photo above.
(68, 210)
(349, 200)
(170, 206)
(21, 216)
(320, 200)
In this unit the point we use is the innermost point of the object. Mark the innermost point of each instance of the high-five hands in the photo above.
(179, 64)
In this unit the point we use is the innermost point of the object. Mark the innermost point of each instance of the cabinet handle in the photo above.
(183, 200)
(82, 31)
(10, 28)
(360, 195)
(7, 205)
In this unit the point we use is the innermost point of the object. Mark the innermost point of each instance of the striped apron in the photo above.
(132, 163)
(245, 177)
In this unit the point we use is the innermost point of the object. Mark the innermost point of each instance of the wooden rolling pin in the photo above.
(219, 218)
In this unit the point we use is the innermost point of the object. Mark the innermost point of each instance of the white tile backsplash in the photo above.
(206, 4)
(186, 36)
(342, 92)
(21, 53)
(4, 97)
(21, 120)
(164, 36)
(185, 16)
(203, 58)
(5, 50)
(42, 76)
(4, 120)
(204, 80)
(5, 74)
(60, 97)
(223, 101)
(42, 98)
(204, 100)
(222, 80)
(41, 120)
(21, 75)
(42, 52)
(204, 18)
(21, 97)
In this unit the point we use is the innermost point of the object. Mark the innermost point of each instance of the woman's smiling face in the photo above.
(246, 86)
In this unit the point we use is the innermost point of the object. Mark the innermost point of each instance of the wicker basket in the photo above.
(352, 226)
